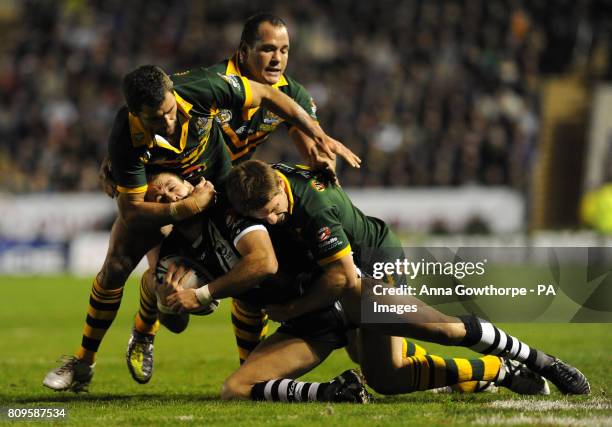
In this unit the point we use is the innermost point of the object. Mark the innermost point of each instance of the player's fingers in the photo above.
(186, 277)
(350, 157)
(209, 186)
(326, 145)
(200, 185)
(170, 274)
(171, 299)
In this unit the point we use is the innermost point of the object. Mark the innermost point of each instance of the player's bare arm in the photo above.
(288, 109)
(339, 280)
(317, 159)
(257, 263)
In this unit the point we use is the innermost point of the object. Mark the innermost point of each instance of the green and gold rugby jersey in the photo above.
(200, 94)
(244, 129)
(324, 219)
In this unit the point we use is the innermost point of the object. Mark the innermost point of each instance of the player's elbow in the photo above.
(267, 264)
(270, 266)
(342, 281)
(128, 211)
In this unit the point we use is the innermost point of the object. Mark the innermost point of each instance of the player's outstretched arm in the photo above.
(318, 159)
(285, 107)
(338, 279)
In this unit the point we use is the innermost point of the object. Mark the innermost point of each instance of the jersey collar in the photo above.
(233, 69)
(141, 137)
(287, 191)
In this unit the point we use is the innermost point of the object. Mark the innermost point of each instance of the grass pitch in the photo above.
(42, 317)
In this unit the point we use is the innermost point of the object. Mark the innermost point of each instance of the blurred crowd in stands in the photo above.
(428, 93)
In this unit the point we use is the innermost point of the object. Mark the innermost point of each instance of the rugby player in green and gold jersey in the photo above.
(166, 125)
(262, 56)
(323, 218)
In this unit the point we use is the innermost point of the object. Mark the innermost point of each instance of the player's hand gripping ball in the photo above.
(193, 280)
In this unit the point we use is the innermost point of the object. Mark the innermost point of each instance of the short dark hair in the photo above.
(250, 32)
(146, 85)
(251, 185)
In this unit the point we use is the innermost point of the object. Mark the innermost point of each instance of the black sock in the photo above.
(285, 390)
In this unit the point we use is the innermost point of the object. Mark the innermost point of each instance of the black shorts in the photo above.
(328, 325)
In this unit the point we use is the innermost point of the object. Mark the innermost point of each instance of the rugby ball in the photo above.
(200, 278)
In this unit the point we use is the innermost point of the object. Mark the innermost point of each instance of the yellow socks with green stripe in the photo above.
(449, 369)
(250, 327)
(431, 371)
(103, 307)
(146, 321)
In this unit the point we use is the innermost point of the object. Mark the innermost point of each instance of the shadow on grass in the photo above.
(111, 398)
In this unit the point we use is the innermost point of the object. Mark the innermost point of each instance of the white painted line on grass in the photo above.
(551, 405)
(548, 420)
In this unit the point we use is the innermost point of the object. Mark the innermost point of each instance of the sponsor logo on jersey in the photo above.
(323, 233)
(318, 186)
(225, 116)
(330, 244)
(145, 157)
(283, 168)
(233, 80)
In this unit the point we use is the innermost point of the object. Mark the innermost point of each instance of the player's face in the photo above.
(161, 120)
(276, 211)
(266, 61)
(168, 188)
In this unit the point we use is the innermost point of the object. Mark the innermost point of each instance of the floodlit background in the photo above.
(473, 118)
(480, 123)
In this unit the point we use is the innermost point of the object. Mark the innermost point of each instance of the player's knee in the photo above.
(380, 383)
(234, 389)
(115, 271)
(448, 333)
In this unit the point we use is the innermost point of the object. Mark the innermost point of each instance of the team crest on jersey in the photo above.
(233, 80)
(323, 234)
(270, 122)
(203, 125)
(145, 157)
(271, 119)
(318, 186)
(225, 116)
